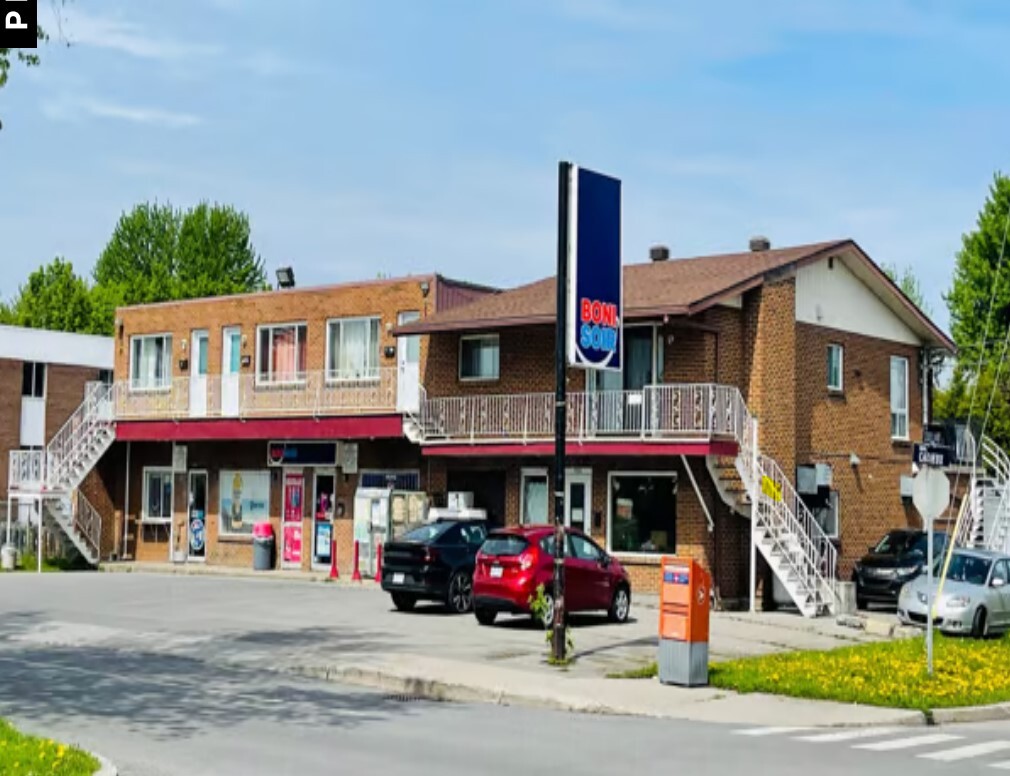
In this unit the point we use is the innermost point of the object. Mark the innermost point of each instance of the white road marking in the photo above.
(965, 752)
(907, 743)
(1003, 766)
(769, 731)
(848, 735)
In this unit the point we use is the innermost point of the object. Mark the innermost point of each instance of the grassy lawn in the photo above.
(22, 755)
(966, 673)
(51, 565)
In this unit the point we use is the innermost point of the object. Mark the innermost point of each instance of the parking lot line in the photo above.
(966, 752)
(848, 735)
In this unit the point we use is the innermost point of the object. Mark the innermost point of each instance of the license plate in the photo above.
(496, 572)
(397, 579)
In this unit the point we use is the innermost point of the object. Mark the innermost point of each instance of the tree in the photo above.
(982, 281)
(29, 58)
(907, 281)
(54, 297)
(158, 253)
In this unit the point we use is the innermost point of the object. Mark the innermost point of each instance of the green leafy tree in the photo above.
(980, 281)
(908, 282)
(54, 297)
(27, 57)
(158, 253)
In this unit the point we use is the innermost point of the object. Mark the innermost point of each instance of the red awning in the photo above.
(357, 427)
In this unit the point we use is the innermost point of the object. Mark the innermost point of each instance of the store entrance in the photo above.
(324, 491)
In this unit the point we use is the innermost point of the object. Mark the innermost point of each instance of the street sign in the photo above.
(925, 454)
(595, 282)
(930, 494)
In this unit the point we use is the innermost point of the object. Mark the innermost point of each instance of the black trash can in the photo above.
(263, 547)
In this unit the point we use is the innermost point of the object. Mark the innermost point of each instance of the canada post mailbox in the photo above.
(685, 593)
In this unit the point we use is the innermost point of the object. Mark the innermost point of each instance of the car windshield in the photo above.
(895, 543)
(921, 544)
(426, 534)
(504, 545)
(969, 569)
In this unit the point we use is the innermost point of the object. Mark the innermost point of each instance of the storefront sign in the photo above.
(292, 544)
(595, 283)
(932, 455)
(302, 454)
(197, 532)
(294, 511)
(324, 537)
(245, 500)
(180, 455)
(349, 457)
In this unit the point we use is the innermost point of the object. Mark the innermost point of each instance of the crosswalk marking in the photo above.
(1003, 766)
(907, 743)
(965, 752)
(770, 731)
(848, 735)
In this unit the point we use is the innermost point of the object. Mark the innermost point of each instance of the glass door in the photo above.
(231, 360)
(408, 377)
(198, 375)
(579, 500)
(322, 518)
(197, 526)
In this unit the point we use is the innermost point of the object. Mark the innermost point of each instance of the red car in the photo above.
(513, 562)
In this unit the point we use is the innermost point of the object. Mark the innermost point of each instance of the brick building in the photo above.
(44, 377)
(773, 391)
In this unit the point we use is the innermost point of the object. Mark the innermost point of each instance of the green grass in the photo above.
(967, 672)
(22, 755)
(52, 565)
(649, 671)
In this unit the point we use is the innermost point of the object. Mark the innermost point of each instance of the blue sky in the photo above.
(401, 136)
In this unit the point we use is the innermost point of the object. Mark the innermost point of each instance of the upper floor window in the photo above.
(151, 362)
(281, 353)
(836, 361)
(899, 398)
(33, 380)
(352, 349)
(478, 357)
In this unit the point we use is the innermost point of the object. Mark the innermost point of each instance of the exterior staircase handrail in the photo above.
(60, 452)
(88, 521)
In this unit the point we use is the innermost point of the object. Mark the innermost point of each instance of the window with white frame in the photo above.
(151, 362)
(899, 397)
(479, 357)
(33, 380)
(158, 485)
(836, 366)
(533, 497)
(281, 353)
(352, 349)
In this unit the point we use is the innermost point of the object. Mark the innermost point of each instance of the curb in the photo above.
(874, 626)
(307, 578)
(999, 712)
(105, 768)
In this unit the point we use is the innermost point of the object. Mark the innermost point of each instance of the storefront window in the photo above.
(245, 501)
(158, 495)
(643, 513)
(534, 497)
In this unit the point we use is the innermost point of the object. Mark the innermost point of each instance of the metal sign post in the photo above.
(589, 321)
(930, 494)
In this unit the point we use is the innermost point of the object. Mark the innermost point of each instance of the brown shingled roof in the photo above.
(674, 287)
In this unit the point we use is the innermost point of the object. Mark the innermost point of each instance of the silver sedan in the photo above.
(975, 598)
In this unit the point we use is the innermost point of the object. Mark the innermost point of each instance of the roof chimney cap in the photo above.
(659, 253)
(760, 243)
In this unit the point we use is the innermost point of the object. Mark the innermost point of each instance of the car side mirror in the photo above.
(998, 582)
(605, 561)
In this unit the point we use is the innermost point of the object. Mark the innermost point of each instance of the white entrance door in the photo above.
(579, 499)
(33, 404)
(231, 360)
(408, 357)
(198, 375)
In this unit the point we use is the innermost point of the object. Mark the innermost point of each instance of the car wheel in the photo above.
(459, 598)
(620, 607)
(485, 616)
(980, 625)
(548, 616)
(403, 602)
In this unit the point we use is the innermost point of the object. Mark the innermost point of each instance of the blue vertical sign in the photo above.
(595, 280)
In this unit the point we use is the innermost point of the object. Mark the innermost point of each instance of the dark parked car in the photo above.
(898, 558)
(433, 563)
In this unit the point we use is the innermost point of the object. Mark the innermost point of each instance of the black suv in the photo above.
(898, 558)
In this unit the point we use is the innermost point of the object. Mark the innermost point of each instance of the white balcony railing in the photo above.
(26, 469)
(669, 412)
(248, 396)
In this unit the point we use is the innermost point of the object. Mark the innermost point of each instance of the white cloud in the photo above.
(76, 109)
(116, 34)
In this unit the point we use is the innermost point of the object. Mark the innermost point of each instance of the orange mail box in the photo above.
(684, 600)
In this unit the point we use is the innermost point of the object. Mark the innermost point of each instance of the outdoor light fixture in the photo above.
(285, 277)
(854, 460)
(425, 287)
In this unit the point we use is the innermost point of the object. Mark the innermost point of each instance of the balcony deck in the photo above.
(666, 419)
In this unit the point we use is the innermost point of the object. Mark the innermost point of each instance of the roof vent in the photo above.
(759, 243)
(659, 253)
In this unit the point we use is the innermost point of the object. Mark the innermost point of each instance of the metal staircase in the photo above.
(54, 475)
(984, 522)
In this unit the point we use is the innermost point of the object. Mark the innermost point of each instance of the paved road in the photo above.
(165, 675)
(162, 716)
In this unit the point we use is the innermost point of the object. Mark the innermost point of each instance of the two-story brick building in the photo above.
(794, 377)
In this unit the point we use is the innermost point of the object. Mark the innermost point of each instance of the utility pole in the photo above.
(558, 645)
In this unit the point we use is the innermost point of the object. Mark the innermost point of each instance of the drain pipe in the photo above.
(126, 506)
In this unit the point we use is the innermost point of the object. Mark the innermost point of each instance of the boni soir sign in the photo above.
(595, 283)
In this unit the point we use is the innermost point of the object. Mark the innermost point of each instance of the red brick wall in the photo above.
(832, 426)
(10, 418)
